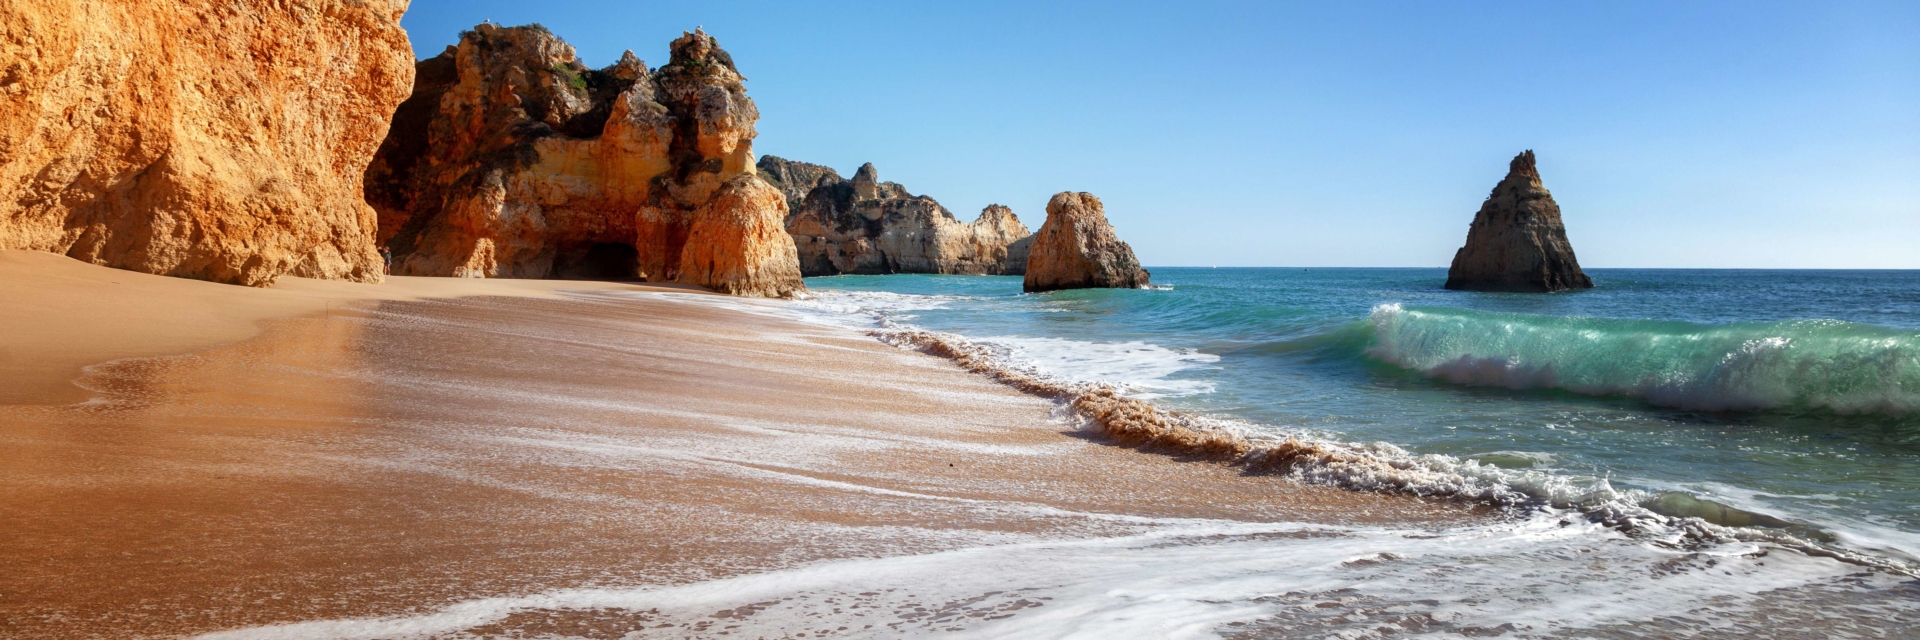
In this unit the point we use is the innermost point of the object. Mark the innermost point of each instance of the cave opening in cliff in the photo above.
(599, 261)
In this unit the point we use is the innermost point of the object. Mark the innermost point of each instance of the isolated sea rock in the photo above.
(1077, 249)
(514, 160)
(867, 226)
(221, 141)
(1517, 241)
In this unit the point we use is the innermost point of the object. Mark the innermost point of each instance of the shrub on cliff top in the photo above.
(572, 78)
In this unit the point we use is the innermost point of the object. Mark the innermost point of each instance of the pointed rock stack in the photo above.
(514, 160)
(1517, 242)
(1077, 249)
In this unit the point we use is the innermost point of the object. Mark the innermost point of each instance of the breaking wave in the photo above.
(1125, 412)
(1670, 518)
(1843, 367)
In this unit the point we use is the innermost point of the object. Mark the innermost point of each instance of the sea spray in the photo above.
(1666, 519)
(1842, 367)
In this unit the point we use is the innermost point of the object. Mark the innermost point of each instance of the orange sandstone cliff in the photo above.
(514, 160)
(223, 141)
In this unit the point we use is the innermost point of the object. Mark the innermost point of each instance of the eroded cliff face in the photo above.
(795, 179)
(711, 193)
(199, 139)
(1517, 241)
(1077, 249)
(998, 237)
(867, 226)
(736, 243)
(512, 159)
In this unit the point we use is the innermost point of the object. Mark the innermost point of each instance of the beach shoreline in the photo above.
(382, 450)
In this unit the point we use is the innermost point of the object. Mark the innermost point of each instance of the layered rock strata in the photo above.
(867, 226)
(1517, 241)
(514, 160)
(1077, 249)
(221, 141)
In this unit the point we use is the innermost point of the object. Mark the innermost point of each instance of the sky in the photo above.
(1673, 134)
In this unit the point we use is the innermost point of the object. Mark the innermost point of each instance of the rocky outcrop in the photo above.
(508, 161)
(214, 140)
(1077, 249)
(734, 246)
(1517, 242)
(711, 195)
(795, 179)
(998, 236)
(514, 160)
(867, 226)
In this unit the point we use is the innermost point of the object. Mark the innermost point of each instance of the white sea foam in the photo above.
(1198, 580)
(1852, 529)
(864, 308)
(1141, 369)
(1137, 368)
(1514, 459)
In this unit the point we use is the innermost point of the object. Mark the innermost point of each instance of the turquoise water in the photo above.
(1790, 393)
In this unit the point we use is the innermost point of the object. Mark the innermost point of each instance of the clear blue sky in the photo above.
(1673, 134)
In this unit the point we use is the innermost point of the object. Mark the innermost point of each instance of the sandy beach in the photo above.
(396, 320)
(180, 457)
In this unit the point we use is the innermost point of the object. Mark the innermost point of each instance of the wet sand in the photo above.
(384, 450)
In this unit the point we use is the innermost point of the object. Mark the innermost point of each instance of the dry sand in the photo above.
(60, 314)
(384, 449)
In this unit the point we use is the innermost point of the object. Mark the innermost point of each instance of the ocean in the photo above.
(1780, 407)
